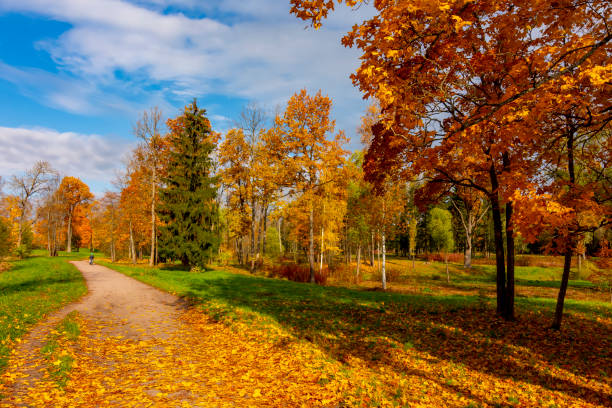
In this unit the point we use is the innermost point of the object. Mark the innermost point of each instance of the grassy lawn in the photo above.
(32, 288)
(456, 340)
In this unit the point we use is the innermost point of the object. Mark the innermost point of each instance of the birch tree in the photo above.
(148, 130)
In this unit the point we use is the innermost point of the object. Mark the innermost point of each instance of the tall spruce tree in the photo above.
(188, 205)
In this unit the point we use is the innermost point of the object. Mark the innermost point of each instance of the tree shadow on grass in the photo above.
(29, 285)
(456, 329)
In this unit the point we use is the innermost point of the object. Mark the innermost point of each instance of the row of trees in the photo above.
(45, 209)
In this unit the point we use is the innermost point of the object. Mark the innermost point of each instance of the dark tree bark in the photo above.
(568, 251)
(499, 243)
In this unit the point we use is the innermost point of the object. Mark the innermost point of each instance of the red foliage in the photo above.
(298, 273)
(440, 257)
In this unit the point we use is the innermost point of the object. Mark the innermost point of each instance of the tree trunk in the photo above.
(20, 232)
(563, 289)
(69, 233)
(264, 236)
(446, 263)
(372, 250)
(311, 243)
(322, 249)
(378, 253)
(568, 251)
(499, 243)
(383, 272)
(252, 249)
(280, 241)
(358, 263)
(49, 232)
(54, 247)
(153, 182)
(509, 315)
(132, 247)
(467, 257)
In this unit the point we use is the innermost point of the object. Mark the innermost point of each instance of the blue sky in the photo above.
(76, 74)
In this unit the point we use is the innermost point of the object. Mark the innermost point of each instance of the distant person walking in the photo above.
(91, 257)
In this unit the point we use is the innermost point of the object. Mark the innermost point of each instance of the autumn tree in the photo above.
(452, 79)
(577, 198)
(5, 237)
(234, 155)
(27, 186)
(132, 207)
(73, 193)
(304, 147)
(148, 130)
(359, 199)
(188, 200)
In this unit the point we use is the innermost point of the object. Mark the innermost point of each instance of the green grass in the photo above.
(524, 275)
(60, 363)
(31, 289)
(281, 299)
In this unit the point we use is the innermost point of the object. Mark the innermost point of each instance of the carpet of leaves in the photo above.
(471, 360)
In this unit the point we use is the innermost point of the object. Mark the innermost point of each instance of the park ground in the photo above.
(233, 339)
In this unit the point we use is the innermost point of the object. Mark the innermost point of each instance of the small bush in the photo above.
(22, 251)
(440, 257)
(195, 269)
(391, 274)
(298, 273)
(343, 273)
(224, 258)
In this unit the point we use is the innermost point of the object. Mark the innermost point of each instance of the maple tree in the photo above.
(303, 147)
(106, 218)
(250, 179)
(577, 157)
(73, 194)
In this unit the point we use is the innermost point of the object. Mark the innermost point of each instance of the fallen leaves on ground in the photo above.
(253, 362)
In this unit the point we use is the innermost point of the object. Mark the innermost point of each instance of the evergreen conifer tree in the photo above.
(188, 205)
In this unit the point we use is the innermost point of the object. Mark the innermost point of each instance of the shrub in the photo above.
(224, 258)
(391, 274)
(298, 273)
(22, 251)
(440, 257)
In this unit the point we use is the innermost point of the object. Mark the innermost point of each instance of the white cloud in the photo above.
(91, 157)
(261, 53)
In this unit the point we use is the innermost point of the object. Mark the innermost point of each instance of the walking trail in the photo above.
(142, 347)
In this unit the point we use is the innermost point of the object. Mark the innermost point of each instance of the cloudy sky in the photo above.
(75, 74)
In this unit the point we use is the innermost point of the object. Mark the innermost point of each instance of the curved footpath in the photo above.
(141, 347)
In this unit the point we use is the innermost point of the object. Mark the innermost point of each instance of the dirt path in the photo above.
(115, 306)
(140, 347)
(138, 311)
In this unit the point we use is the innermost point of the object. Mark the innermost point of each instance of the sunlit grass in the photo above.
(31, 289)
